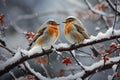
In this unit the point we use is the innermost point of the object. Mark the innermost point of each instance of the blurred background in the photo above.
(27, 16)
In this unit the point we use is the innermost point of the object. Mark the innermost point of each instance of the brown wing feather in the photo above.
(82, 31)
(39, 33)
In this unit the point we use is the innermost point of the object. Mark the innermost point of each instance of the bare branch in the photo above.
(112, 6)
(7, 49)
(77, 61)
(97, 11)
(100, 68)
(115, 18)
(24, 58)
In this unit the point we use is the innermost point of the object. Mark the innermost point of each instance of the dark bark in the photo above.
(25, 58)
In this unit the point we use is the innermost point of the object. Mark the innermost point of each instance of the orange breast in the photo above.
(53, 30)
(67, 28)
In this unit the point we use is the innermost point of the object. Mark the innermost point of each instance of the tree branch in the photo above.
(97, 11)
(112, 6)
(98, 66)
(7, 67)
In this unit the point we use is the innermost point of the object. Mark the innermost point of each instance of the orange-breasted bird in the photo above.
(46, 36)
(75, 32)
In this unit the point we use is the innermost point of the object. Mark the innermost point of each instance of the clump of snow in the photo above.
(109, 77)
(101, 35)
(22, 66)
(60, 45)
(101, 63)
(114, 67)
(59, 53)
(73, 51)
(33, 50)
(97, 28)
(70, 77)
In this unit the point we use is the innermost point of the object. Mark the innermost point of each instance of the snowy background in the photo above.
(28, 15)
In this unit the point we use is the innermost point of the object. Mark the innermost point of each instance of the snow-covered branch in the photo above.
(19, 58)
(96, 67)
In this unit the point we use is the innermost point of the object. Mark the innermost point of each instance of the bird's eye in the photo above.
(69, 21)
(51, 23)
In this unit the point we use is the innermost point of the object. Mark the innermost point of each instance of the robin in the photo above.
(46, 36)
(75, 32)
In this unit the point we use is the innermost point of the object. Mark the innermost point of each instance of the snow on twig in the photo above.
(17, 58)
(94, 66)
(11, 60)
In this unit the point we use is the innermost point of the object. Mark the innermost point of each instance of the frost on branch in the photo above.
(18, 58)
(12, 60)
(102, 35)
(105, 14)
(32, 51)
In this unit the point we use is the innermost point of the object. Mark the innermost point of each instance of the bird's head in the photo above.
(70, 19)
(52, 22)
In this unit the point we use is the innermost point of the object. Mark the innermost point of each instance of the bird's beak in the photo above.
(63, 22)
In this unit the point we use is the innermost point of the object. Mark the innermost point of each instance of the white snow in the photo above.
(73, 51)
(32, 51)
(101, 35)
(79, 74)
(37, 49)
(18, 56)
(12, 74)
(97, 28)
(101, 63)
(11, 60)
(114, 67)
(75, 76)
(59, 53)
(61, 45)
(109, 77)
(78, 79)
(69, 77)
(36, 73)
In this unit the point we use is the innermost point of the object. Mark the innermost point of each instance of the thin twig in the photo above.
(8, 49)
(10, 72)
(115, 18)
(22, 59)
(45, 70)
(97, 11)
(13, 53)
(85, 52)
(106, 23)
(112, 6)
(12, 75)
(77, 61)
(114, 75)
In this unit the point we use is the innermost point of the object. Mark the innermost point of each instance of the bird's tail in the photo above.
(95, 51)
